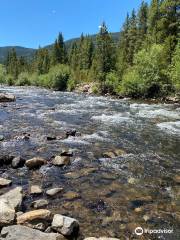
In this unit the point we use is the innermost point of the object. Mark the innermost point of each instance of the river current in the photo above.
(125, 169)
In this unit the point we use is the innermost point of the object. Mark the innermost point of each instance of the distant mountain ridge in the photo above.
(29, 52)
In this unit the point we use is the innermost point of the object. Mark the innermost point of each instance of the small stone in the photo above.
(1, 137)
(146, 218)
(132, 181)
(35, 162)
(176, 179)
(65, 225)
(41, 214)
(68, 152)
(18, 162)
(35, 189)
(137, 210)
(54, 191)
(71, 132)
(4, 182)
(71, 195)
(51, 138)
(40, 203)
(61, 160)
(109, 155)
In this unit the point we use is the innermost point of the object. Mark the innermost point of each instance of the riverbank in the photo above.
(123, 168)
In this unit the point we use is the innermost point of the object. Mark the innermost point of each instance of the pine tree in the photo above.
(153, 18)
(59, 54)
(104, 58)
(142, 25)
(123, 48)
(132, 37)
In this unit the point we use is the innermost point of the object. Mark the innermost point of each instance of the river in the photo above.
(137, 186)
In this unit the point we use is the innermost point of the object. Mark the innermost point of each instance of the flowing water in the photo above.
(138, 186)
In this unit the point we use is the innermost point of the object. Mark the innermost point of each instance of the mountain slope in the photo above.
(29, 52)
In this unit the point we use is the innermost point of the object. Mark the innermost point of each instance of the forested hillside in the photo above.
(144, 63)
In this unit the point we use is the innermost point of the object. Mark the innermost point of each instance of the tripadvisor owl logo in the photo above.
(139, 231)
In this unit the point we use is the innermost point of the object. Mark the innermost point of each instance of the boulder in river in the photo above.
(53, 191)
(18, 162)
(61, 160)
(1, 137)
(71, 132)
(35, 189)
(6, 160)
(14, 197)
(35, 162)
(18, 232)
(65, 225)
(7, 97)
(4, 182)
(40, 214)
(67, 152)
(51, 138)
(7, 213)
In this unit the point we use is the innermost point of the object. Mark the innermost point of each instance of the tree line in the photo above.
(144, 63)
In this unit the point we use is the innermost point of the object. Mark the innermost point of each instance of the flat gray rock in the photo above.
(18, 232)
(64, 225)
(14, 197)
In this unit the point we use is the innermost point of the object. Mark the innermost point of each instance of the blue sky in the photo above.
(31, 23)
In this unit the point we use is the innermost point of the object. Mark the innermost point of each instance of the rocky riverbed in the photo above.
(82, 166)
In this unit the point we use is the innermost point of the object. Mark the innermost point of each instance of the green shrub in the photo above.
(58, 77)
(23, 79)
(132, 85)
(2, 74)
(148, 77)
(9, 80)
(175, 69)
(112, 83)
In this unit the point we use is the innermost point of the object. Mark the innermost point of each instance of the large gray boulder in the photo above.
(64, 225)
(18, 232)
(14, 197)
(7, 97)
(7, 214)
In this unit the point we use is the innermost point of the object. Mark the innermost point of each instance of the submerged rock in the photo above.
(18, 232)
(61, 160)
(41, 214)
(65, 225)
(7, 97)
(35, 162)
(71, 195)
(54, 191)
(4, 182)
(18, 162)
(40, 203)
